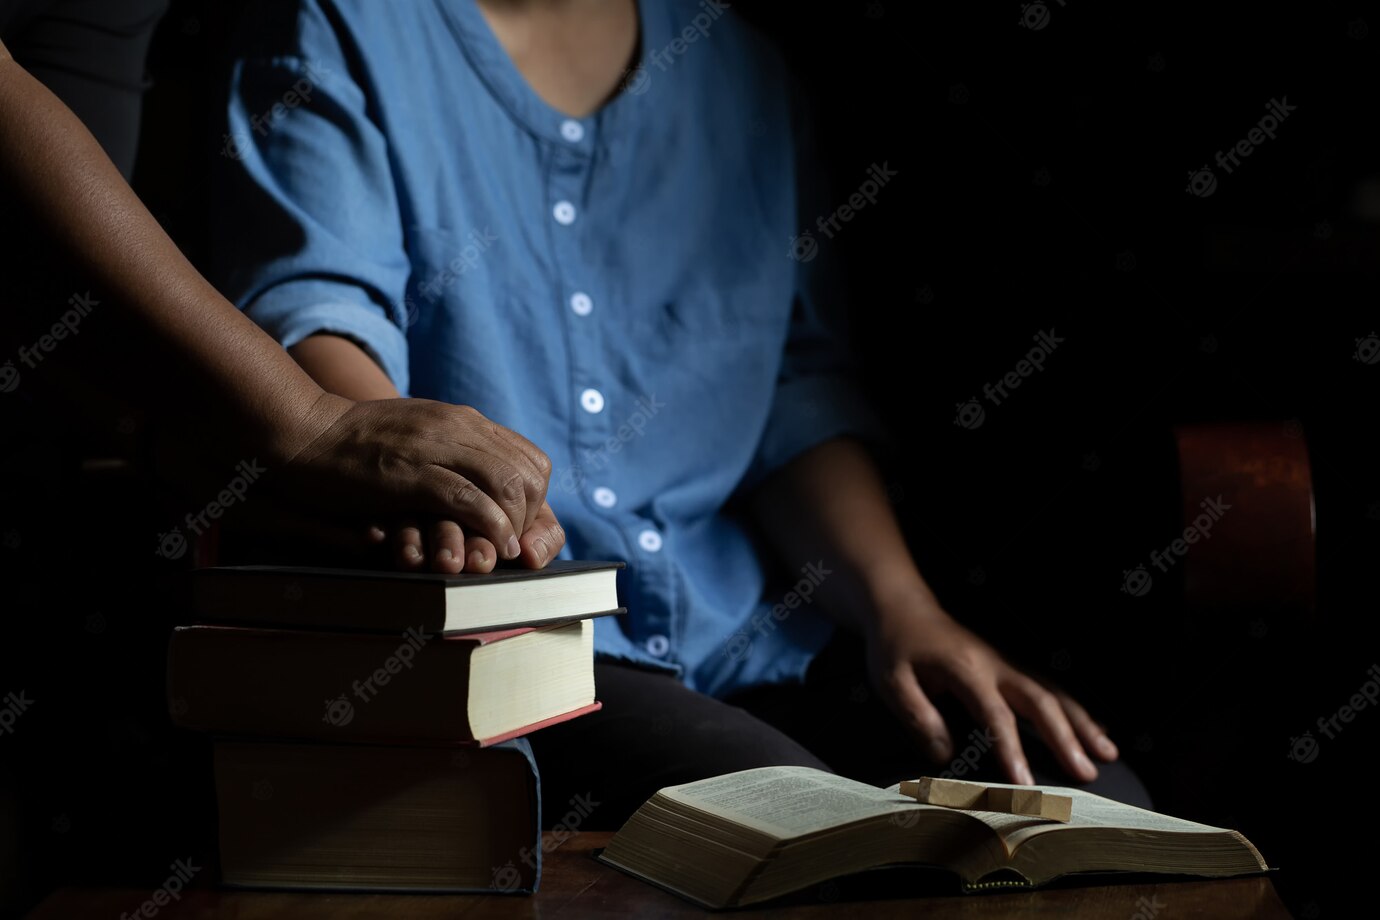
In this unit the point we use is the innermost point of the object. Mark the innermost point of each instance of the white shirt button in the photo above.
(592, 401)
(572, 130)
(649, 540)
(564, 212)
(604, 497)
(658, 645)
(581, 303)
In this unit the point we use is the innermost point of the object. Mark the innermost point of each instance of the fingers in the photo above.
(538, 476)
(510, 469)
(456, 498)
(480, 555)
(407, 548)
(1090, 732)
(508, 480)
(543, 540)
(1043, 709)
(902, 692)
(447, 547)
(978, 692)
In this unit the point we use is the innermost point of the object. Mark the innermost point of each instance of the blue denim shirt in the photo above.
(632, 290)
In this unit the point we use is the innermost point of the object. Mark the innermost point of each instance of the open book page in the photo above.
(789, 801)
(1094, 811)
(1088, 811)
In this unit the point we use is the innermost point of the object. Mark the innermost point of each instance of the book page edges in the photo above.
(528, 729)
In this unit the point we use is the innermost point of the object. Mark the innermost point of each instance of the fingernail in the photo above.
(1104, 744)
(514, 548)
(412, 552)
(1025, 777)
(1083, 762)
(476, 560)
(445, 555)
(939, 751)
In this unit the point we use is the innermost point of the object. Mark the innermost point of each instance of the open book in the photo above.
(758, 834)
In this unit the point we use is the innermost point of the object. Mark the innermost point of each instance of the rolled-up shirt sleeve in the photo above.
(312, 240)
(818, 396)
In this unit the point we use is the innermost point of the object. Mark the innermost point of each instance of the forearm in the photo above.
(829, 503)
(54, 169)
(342, 367)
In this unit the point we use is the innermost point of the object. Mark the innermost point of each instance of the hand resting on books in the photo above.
(483, 485)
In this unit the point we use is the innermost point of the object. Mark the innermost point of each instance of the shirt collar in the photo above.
(507, 85)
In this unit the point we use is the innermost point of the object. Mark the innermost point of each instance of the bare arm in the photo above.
(397, 456)
(829, 503)
(343, 368)
(54, 166)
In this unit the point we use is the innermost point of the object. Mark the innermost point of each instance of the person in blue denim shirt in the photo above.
(587, 219)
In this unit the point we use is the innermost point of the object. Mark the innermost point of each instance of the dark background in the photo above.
(1042, 186)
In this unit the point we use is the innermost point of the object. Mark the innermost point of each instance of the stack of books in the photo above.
(369, 725)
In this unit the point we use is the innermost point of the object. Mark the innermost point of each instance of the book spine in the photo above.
(408, 689)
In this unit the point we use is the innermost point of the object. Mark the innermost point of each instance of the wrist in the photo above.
(900, 600)
(311, 414)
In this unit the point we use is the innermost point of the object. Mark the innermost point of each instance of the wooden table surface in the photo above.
(574, 886)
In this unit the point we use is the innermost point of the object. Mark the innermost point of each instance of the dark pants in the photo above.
(654, 732)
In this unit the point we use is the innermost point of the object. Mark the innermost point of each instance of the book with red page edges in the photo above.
(410, 688)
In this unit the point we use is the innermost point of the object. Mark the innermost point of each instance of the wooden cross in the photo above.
(1013, 800)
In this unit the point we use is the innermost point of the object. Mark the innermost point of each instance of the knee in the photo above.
(1118, 781)
(733, 739)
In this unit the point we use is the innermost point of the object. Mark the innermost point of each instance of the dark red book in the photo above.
(365, 688)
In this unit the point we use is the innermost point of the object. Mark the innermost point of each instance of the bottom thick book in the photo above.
(366, 818)
(758, 834)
